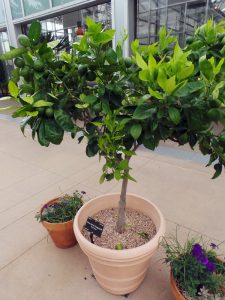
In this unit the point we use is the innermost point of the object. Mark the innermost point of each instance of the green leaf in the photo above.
(216, 91)
(101, 90)
(13, 89)
(102, 178)
(41, 135)
(155, 94)
(92, 148)
(150, 143)
(206, 68)
(143, 111)
(53, 132)
(64, 120)
(21, 112)
(123, 165)
(213, 157)
(82, 106)
(185, 72)
(90, 22)
(135, 131)
(24, 123)
(90, 99)
(218, 170)
(174, 115)
(28, 99)
(38, 75)
(189, 88)
(32, 113)
(26, 88)
(162, 78)
(218, 67)
(145, 75)
(140, 62)
(152, 62)
(117, 175)
(42, 103)
(34, 32)
(131, 178)
(134, 46)
(111, 56)
(67, 57)
(53, 44)
(98, 124)
(170, 85)
(104, 37)
(12, 53)
(106, 108)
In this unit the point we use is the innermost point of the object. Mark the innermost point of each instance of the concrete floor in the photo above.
(32, 268)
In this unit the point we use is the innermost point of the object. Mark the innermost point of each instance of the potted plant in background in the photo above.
(57, 217)
(118, 104)
(196, 272)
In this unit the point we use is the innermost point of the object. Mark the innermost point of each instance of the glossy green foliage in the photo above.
(118, 103)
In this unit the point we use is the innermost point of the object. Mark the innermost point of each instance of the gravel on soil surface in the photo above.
(139, 229)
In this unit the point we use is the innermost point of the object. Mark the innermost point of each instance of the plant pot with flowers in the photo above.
(57, 217)
(196, 271)
(117, 104)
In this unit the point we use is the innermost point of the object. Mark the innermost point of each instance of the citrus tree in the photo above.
(115, 103)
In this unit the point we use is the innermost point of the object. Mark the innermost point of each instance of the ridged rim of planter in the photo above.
(126, 254)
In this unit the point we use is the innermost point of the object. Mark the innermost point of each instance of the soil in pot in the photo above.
(139, 229)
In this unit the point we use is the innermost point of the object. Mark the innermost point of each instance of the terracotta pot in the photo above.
(62, 234)
(119, 272)
(176, 293)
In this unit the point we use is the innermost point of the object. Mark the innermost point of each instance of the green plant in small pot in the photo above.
(57, 217)
(196, 271)
(117, 104)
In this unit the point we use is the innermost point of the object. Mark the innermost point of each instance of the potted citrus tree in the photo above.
(117, 104)
(57, 217)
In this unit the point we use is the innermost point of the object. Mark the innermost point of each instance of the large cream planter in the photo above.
(119, 271)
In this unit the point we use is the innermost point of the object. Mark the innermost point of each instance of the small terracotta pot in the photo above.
(119, 272)
(176, 292)
(62, 234)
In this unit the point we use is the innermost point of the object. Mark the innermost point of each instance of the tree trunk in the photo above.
(121, 222)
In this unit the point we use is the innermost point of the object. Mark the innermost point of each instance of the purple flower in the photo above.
(211, 267)
(83, 192)
(197, 250)
(203, 260)
(213, 246)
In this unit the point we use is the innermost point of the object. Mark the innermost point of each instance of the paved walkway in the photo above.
(32, 268)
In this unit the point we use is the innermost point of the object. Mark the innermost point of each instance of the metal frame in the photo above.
(182, 26)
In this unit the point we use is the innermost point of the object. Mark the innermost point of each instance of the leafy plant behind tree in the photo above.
(161, 92)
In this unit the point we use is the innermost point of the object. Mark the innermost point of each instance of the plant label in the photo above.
(94, 226)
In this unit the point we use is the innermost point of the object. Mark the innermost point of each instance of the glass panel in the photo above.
(16, 9)
(2, 13)
(179, 17)
(60, 2)
(5, 66)
(31, 6)
(158, 3)
(66, 25)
